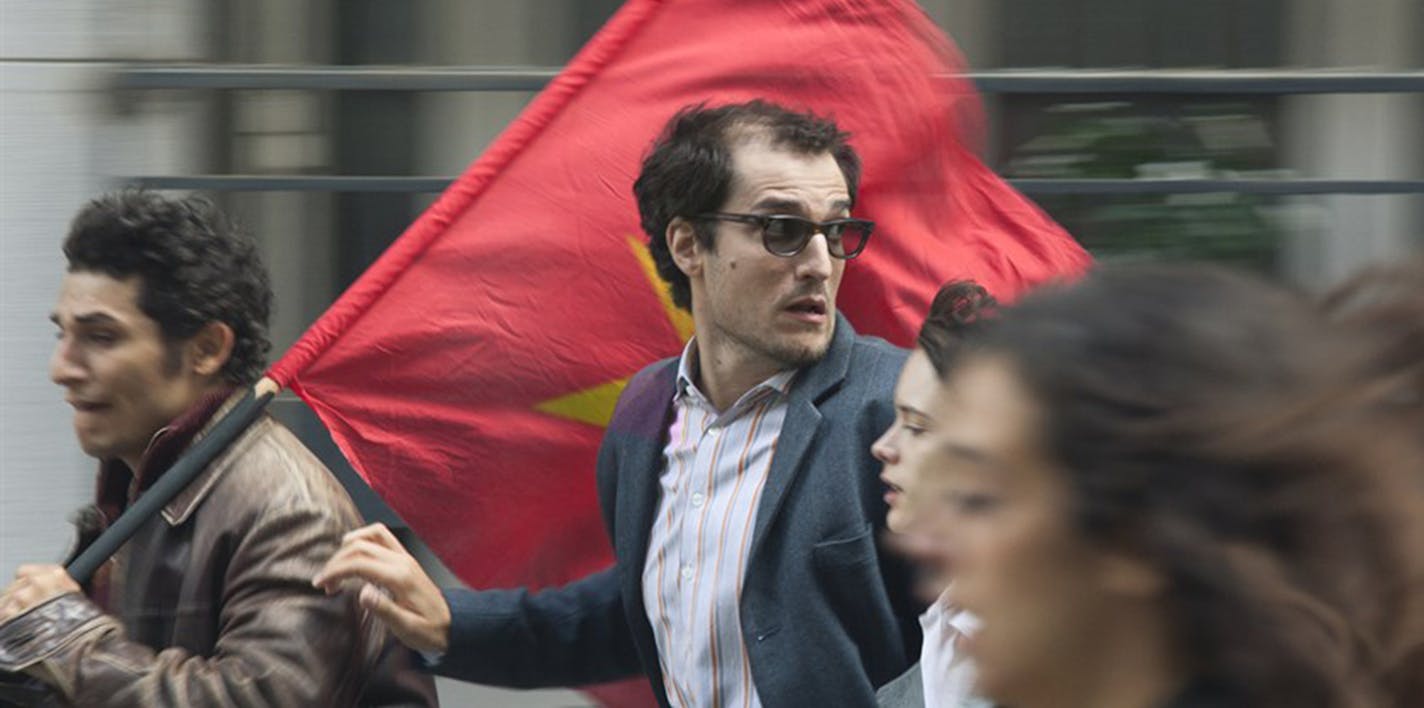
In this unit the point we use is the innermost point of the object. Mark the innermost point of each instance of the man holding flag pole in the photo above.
(736, 480)
(161, 322)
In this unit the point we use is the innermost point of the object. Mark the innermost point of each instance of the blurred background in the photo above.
(99, 93)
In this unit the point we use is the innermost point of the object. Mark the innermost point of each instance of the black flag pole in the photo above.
(195, 460)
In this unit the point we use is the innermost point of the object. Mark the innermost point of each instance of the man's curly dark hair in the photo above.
(193, 265)
(688, 171)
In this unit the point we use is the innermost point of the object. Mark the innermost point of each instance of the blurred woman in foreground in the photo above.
(1173, 491)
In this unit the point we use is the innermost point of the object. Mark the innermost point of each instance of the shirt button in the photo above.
(697, 499)
(686, 572)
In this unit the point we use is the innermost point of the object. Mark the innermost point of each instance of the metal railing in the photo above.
(475, 78)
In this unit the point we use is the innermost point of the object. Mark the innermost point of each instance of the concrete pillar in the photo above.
(1355, 136)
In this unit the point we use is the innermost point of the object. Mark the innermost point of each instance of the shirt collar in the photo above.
(779, 383)
(685, 364)
(118, 486)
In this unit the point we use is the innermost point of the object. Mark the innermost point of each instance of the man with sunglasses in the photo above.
(736, 480)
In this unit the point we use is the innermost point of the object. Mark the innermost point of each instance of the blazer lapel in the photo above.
(803, 421)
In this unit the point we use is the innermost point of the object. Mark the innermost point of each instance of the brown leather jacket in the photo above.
(213, 603)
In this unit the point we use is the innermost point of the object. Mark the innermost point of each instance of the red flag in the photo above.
(467, 375)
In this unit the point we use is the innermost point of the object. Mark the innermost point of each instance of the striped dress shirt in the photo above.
(714, 468)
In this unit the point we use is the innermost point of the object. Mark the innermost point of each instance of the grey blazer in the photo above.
(906, 691)
(825, 616)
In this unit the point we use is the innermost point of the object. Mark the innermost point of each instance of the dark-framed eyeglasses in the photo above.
(786, 235)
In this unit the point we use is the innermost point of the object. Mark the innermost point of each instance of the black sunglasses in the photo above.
(786, 235)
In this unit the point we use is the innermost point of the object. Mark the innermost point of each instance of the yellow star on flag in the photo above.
(595, 405)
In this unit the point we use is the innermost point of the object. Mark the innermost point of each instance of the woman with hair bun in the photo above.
(942, 678)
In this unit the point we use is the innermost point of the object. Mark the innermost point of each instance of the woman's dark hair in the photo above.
(193, 268)
(688, 171)
(1213, 425)
(1386, 303)
(956, 308)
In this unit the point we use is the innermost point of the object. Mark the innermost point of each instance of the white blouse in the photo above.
(948, 674)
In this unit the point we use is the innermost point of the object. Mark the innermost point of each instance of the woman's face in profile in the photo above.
(1020, 564)
(902, 449)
